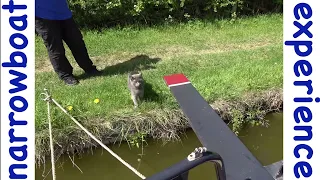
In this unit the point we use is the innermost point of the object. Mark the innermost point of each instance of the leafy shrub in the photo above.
(102, 13)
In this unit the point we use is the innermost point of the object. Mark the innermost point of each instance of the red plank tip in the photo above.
(176, 79)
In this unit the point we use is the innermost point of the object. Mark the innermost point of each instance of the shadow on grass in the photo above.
(150, 94)
(141, 62)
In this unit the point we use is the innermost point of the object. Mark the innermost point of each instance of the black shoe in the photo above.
(70, 80)
(94, 72)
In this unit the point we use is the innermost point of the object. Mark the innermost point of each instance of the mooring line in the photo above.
(49, 99)
(53, 170)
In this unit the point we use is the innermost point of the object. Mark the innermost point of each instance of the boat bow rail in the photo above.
(180, 171)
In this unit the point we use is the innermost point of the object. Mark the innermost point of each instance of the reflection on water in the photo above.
(264, 143)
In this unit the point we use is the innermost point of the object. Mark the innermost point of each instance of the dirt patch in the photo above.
(161, 124)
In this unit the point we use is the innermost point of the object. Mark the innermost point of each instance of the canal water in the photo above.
(265, 143)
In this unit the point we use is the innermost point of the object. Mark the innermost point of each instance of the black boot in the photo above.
(70, 80)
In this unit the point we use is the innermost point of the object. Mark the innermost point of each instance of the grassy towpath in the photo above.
(225, 62)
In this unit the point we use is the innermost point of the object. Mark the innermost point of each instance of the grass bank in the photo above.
(237, 67)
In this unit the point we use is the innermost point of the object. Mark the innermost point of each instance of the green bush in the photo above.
(105, 13)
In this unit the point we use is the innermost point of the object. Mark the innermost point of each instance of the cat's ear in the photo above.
(140, 74)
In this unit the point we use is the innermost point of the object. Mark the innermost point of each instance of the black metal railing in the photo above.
(180, 171)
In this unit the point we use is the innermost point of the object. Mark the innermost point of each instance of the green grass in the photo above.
(223, 60)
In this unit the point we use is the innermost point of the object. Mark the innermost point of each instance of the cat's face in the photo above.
(136, 80)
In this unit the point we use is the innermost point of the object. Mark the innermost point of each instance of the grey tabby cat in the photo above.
(136, 87)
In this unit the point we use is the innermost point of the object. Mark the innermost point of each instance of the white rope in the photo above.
(47, 98)
(98, 141)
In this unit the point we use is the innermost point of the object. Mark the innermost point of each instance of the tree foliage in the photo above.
(102, 13)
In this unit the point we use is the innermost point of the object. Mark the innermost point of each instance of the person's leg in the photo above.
(50, 31)
(74, 39)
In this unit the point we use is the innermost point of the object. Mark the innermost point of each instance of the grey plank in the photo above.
(214, 134)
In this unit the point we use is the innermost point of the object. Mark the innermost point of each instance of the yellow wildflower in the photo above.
(69, 108)
(96, 101)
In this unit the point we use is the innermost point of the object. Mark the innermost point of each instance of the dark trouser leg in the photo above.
(51, 33)
(74, 39)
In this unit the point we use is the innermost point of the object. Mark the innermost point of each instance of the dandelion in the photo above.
(70, 108)
(96, 101)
